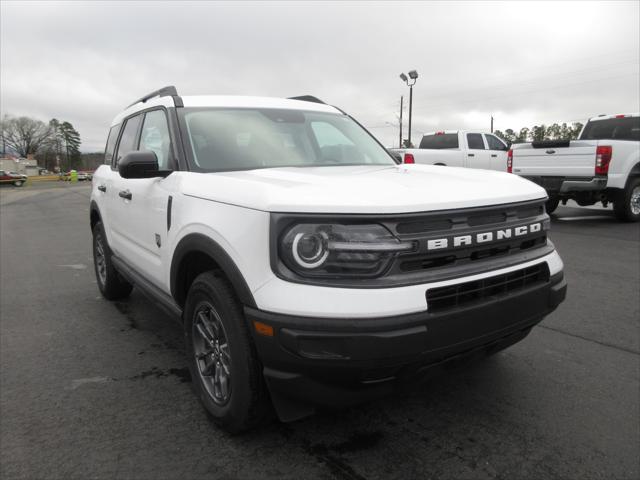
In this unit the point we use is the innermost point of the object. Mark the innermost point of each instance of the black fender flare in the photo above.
(196, 242)
(93, 209)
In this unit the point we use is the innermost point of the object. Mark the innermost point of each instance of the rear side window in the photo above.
(475, 141)
(495, 144)
(440, 142)
(627, 128)
(111, 144)
(129, 138)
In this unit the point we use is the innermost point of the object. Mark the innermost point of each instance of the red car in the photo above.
(14, 178)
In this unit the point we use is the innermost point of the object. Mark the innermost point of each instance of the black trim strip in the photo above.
(169, 204)
(160, 298)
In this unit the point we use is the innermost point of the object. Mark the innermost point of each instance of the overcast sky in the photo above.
(525, 63)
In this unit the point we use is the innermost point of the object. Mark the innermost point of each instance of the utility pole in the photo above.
(491, 123)
(401, 100)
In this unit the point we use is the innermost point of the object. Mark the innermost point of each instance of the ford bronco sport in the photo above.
(308, 268)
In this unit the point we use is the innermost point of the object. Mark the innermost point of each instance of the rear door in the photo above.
(477, 154)
(547, 160)
(497, 152)
(116, 186)
(103, 177)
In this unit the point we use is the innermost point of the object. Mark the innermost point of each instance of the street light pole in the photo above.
(410, 115)
(413, 75)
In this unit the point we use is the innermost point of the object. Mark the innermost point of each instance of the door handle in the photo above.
(126, 194)
(494, 155)
(102, 188)
(471, 154)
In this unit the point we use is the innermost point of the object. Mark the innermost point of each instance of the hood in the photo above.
(361, 189)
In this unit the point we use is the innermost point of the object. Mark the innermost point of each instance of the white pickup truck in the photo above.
(458, 148)
(603, 165)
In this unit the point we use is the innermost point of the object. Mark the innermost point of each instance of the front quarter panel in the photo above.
(243, 234)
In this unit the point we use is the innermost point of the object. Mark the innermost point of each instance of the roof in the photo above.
(228, 101)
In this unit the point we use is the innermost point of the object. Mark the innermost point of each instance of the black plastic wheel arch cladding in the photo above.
(198, 243)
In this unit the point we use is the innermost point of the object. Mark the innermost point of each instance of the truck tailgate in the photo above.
(576, 160)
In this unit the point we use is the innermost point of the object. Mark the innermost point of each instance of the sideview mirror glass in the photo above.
(140, 164)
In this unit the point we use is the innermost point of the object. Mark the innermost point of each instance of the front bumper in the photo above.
(338, 362)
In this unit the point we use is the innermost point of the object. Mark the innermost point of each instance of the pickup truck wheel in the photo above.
(627, 206)
(227, 375)
(18, 183)
(552, 204)
(110, 282)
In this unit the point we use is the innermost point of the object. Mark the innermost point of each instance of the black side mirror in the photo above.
(140, 164)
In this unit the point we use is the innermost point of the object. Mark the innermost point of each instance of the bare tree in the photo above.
(24, 135)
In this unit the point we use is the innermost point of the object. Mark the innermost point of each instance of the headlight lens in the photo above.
(337, 250)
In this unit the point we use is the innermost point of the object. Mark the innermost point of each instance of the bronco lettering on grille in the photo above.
(483, 237)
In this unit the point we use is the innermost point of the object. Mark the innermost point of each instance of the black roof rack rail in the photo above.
(307, 98)
(169, 91)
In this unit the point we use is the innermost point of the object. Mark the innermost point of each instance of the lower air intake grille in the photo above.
(463, 294)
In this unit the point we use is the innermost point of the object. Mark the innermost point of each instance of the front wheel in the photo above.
(227, 375)
(627, 205)
(552, 204)
(18, 183)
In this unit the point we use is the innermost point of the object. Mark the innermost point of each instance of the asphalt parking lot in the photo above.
(92, 389)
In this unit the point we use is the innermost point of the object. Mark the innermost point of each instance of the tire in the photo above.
(226, 373)
(552, 204)
(627, 205)
(110, 282)
(18, 183)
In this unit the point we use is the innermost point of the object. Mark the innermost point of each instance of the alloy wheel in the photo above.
(635, 201)
(212, 354)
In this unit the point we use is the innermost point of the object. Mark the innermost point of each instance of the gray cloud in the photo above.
(524, 63)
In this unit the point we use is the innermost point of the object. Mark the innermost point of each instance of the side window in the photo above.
(495, 144)
(111, 144)
(474, 140)
(155, 137)
(128, 139)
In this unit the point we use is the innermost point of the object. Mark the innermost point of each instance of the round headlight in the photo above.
(309, 250)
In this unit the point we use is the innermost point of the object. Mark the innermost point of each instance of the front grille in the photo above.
(477, 217)
(446, 244)
(451, 225)
(462, 294)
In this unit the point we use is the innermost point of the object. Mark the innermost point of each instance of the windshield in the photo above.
(625, 128)
(245, 139)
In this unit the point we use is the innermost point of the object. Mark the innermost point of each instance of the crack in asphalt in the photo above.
(604, 344)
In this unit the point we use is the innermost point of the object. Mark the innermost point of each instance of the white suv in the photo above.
(308, 268)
